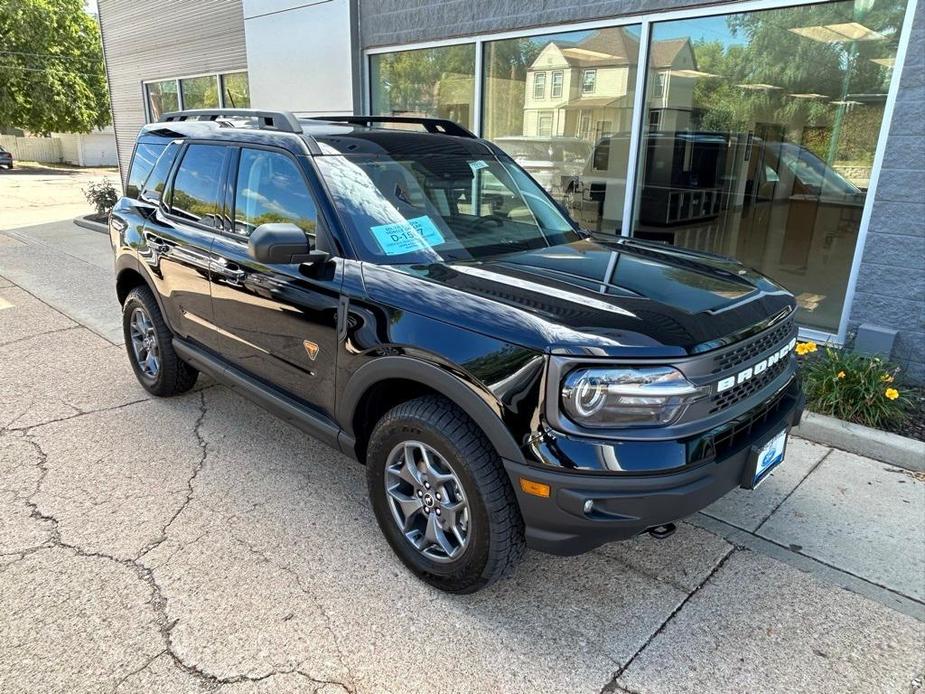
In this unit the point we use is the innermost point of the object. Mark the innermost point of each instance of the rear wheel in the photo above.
(441, 496)
(148, 341)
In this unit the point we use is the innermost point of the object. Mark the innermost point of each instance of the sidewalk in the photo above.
(198, 543)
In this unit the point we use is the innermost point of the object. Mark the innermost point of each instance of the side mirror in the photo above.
(279, 243)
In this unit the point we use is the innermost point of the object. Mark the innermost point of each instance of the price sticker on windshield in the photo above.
(408, 236)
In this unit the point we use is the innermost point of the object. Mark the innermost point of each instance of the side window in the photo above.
(142, 163)
(153, 186)
(197, 187)
(270, 188)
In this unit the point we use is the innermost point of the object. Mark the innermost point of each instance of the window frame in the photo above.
(231, 189)
(645, 21)
(589, 72)
(166, 201)
(553, 92)
(218, 75)
(539, 84)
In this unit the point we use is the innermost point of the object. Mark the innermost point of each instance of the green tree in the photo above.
(51, 67)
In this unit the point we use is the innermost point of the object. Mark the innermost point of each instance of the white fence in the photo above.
(43, 149)
(97, 148)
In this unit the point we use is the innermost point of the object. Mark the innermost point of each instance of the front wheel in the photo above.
(441, 496)
(148, 341)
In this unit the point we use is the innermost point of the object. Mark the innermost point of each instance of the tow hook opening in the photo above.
(660, 532)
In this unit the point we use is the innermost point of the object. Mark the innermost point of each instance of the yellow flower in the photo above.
(886, 378)
(841, 374)
(806, 348)
(891, 393)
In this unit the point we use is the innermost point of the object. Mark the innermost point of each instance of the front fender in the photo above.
(474, 400)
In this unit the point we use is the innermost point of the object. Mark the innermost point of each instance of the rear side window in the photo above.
(197, 187)
(153, 187)
(270, 188)
(143, 161)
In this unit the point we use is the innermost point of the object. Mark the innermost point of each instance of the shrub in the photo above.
(102, 195)
(852, 387)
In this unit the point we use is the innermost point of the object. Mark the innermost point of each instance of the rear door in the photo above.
(277, 322)
(178, 238)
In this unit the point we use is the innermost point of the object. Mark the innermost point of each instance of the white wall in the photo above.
(299, 56)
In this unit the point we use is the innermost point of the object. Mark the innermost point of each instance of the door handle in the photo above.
(230, 272)
(157, 244)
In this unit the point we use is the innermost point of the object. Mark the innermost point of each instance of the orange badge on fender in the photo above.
(311, 348)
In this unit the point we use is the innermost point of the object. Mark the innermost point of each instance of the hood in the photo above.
(591, 297)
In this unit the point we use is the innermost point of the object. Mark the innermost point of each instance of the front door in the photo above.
(277, 322)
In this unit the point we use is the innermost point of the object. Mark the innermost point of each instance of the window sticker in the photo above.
(476, 165)
(407, 236)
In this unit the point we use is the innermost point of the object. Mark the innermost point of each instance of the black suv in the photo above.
(404, 291)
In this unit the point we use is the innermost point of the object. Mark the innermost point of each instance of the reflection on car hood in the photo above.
(607, 298)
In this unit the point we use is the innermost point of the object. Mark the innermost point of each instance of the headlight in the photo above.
(624, 397)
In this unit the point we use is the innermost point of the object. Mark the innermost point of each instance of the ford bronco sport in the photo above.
(404, 291)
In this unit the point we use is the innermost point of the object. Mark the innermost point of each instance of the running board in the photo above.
(284, 407)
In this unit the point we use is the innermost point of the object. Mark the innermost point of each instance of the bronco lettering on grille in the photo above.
(756, 369)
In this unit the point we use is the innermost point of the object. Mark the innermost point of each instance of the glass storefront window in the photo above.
(760, 135)
(200, 92)
(236, 90)
(551, 129)
(162, 98)
(434, 82)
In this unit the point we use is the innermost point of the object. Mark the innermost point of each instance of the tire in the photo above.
(491, 523)
(172, 376)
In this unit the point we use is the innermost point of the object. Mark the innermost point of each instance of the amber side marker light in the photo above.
(534, 488)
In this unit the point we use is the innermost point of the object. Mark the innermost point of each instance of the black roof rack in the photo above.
(431, 125)
(282, 121)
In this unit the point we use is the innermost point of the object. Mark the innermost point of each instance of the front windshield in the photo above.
(428, 208)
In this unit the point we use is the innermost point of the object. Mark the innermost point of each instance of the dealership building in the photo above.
(787, 134)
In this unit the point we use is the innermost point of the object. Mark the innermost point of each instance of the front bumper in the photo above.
(625, 505)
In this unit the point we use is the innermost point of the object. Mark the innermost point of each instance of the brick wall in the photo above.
(891, 284)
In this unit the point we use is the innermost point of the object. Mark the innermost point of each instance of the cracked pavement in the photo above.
(198, 544)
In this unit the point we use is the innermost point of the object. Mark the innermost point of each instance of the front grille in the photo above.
(757, 345)
(722, 442)
(746, 389)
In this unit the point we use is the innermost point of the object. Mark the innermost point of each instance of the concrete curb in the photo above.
(871, 443)
(90, 224)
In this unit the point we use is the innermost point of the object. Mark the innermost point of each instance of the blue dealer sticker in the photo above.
(408, 236)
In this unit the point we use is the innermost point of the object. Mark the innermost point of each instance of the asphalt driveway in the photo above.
(198, 544)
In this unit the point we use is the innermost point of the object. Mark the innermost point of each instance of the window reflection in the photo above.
(236, 90)
(200, 92)
(434, 82)
(550, 99)
(162, 98)
(197, 194)
(271, 189)
(761, 132)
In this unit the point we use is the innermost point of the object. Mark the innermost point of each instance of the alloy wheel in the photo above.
(144, 343)
(427, 501)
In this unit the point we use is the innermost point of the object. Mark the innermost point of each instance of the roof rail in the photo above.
(282, 121)
(431, 125)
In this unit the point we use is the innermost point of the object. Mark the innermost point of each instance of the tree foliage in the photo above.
(767, 51)
(51, 67)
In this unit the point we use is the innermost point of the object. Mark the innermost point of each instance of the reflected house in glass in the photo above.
(592, 79)
(597, 76)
